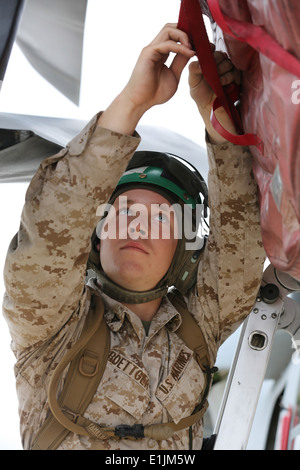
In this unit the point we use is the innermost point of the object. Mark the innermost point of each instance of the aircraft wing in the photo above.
(27, 140)
(50, 34)
(11, 13)
(51, 38)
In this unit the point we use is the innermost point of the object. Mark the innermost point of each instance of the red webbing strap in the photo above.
(256, 37)
(191, 21)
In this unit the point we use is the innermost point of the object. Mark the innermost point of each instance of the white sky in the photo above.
(116, 30)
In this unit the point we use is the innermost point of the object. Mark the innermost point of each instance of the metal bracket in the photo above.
(275, 308)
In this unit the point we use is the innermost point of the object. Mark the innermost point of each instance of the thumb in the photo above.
(178, 65)
(195, 74)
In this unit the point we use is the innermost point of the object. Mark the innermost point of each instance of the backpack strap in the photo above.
(88, 359)
(190, 332)
(192, 335)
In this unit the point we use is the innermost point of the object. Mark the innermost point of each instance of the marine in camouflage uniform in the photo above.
(149, 378)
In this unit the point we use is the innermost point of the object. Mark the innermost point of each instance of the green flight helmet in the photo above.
(184, 187)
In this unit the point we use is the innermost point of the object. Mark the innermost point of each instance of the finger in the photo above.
(234, 76)
(195, 68)
(178, 65)
(167, 47)
(226, 70)
(195, 74)
(170, 31)
(220, 56)
(224, 67)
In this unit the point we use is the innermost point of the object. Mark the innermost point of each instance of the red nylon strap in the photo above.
(191, 22)
(256, 37)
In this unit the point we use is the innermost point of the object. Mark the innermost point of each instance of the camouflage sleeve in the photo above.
(230, 274)
(45, 267)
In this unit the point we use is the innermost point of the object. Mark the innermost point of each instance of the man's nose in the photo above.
(137, 230)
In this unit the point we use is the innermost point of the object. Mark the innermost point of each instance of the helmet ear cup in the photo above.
(186, 272)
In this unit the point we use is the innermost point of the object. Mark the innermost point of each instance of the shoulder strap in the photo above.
(190, 332)
(88, 359)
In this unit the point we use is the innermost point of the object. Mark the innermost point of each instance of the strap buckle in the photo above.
(74, 416)
(136, 431)
(89, 363)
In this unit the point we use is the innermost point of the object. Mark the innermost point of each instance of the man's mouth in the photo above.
(135, 246)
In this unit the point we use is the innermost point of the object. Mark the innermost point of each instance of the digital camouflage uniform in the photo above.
(148, 379)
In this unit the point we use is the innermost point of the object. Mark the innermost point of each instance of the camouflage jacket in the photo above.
(148, 379)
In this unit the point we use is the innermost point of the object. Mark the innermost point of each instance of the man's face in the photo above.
(138, 239)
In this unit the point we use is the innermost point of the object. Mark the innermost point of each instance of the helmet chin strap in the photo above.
(121, 294)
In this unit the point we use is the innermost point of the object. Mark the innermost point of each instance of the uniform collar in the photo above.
(116, 313)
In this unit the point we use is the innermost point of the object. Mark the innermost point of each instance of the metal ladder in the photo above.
(275, 308)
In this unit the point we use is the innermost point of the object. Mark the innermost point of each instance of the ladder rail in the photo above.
(274, 309)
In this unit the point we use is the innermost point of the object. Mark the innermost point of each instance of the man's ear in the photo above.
(96, 244)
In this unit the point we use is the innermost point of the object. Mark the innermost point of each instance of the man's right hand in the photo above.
(152, 82)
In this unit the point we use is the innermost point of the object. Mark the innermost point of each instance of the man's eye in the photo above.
(160, 217)
(126, 211)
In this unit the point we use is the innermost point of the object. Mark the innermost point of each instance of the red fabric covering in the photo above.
(270, 109)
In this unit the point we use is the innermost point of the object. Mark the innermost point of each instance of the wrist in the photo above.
(224, 120)
(122, 115)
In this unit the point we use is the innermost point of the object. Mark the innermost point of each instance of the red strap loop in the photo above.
(191, 21)
(245, 139)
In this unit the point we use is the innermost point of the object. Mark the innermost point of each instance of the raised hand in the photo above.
(152, 82)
